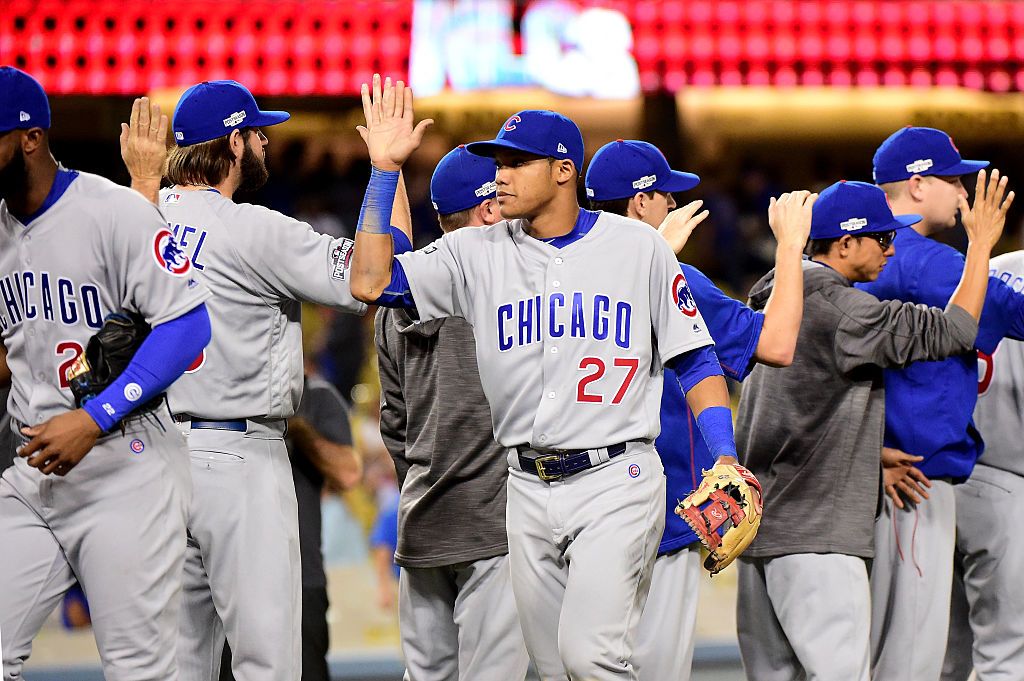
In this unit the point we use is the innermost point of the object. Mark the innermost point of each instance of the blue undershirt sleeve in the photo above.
(715, 423)
(164, 355)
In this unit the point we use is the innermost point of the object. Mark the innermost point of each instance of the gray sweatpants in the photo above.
(665, 637)
(116, 522)
(581, 553)
(910, 585)
(987, 607)
(242, 572)
(804, 617)
(459, 623)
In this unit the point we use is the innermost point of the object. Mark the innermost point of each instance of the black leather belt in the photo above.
(237, 425)
(557, 464)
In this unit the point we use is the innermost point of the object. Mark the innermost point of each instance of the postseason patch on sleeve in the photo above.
(341, 258)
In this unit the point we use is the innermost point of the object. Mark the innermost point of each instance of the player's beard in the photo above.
(253, 169)
(14, 176)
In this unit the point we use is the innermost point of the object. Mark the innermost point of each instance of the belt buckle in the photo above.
(539, 464)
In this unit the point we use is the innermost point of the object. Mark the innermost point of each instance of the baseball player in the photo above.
(812, 433)
(456, 610)
(987, 599)
(632, 178)
(928, 406)
(575, 316)
(242, 571)
(97, 493)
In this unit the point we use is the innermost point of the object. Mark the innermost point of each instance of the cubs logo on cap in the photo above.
(214, 108)
(543, 133)
(168, 255)
(622, 168)
(920, 151)
(23, 102)
(462, 180)
(854, 208)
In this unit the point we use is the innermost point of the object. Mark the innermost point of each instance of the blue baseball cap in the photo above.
(920, 151)
(23, 103)
(854, 208)
(622, 168)
(461, 180)
(214, 108)
(544, 133)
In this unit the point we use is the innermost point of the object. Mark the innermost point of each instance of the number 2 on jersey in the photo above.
(597, 369)
(69, 350)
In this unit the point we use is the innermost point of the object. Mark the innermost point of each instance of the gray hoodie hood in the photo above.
(816, 277)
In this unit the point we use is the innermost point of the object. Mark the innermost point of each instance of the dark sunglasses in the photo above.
(884, 239)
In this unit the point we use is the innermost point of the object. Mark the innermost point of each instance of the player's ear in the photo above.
(565, 171)
(915, 187)
(236, 140)
(32, 140)
(640, 204)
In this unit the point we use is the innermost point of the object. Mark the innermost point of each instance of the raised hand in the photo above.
(390, 132)
(789, 216)
(984, 220)
(678, 225)
(144, 141)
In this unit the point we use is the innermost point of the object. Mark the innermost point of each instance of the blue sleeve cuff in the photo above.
(690, 368)
(168, 350)
(397, 293)
(715, 425)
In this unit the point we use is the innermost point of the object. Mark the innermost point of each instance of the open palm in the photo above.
(390, 132)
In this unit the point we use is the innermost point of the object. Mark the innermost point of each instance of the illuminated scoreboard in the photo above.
(594, 48)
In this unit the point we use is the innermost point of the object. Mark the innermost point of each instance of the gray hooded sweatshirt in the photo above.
(812, 432)
(436, 424)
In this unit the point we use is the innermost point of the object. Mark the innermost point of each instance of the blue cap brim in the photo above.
(902, 221)
(491, 147)
(264, 118)
(678, 181)
(964, 167)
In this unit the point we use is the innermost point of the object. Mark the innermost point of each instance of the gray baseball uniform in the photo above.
(117, 520)
(988, 600)
(571, 343)
(242, 575)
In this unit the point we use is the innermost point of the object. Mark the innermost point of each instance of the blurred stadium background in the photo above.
(758, 97)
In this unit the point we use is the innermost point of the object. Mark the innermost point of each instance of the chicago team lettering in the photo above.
(568, 314)
(28, 295)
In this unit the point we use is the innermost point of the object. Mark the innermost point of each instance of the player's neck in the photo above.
(835, 264)
(41, 175)
(558, 218)
(225, 188)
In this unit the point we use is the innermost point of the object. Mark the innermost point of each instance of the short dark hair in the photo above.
(616, 206)
(820, 246)
(456, 220)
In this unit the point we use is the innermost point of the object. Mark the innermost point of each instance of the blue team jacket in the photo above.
(929, 405)
(736, 330)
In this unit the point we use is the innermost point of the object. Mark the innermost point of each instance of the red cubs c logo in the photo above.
(168, 256)
(510, 124)
(682, 297)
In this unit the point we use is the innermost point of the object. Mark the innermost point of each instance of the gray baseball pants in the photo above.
(242, 571)
(665, 637)
(459, 623)
(116, 522)
(987, 612)
(582, 551)
(910, 586)
(804, 617)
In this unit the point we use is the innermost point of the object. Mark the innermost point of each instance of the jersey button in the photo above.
(558, 261)
(543, 438)
(551, 396)
(554, 351)
(556, 283)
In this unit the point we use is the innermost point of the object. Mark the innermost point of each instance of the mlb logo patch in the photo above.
(341, 258)
(172, 198)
